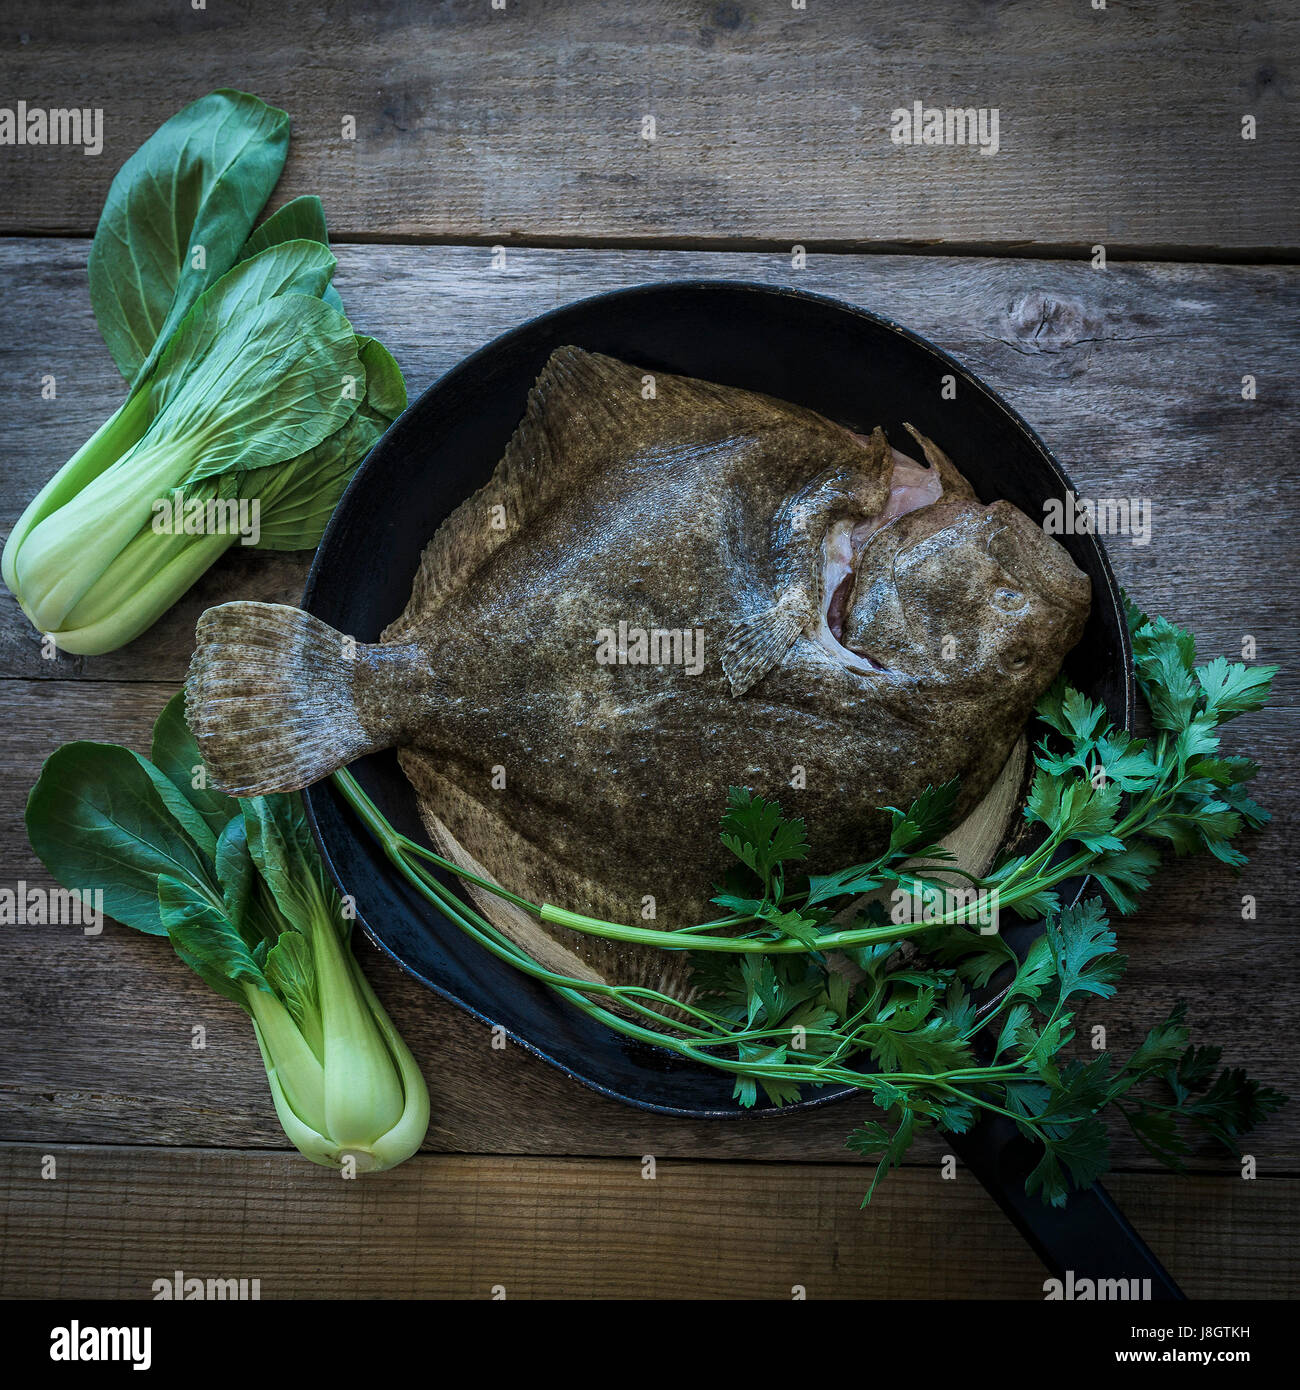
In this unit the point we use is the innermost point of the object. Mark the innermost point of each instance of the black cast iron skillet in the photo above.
(852, 366)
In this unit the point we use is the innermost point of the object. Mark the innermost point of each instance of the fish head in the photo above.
(961, 593)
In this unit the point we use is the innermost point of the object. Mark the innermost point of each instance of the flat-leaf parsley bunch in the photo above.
(777, 1007)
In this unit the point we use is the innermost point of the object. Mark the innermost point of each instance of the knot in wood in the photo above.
(1039, 321)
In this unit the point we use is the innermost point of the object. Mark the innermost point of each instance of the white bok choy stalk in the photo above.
(344, 1083)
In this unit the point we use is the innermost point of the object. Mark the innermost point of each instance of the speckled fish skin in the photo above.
(672, 513)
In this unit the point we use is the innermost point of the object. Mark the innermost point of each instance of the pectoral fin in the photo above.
(757, 644)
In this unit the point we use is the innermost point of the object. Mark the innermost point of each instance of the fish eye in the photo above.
(1008, 600)
(1017, 661)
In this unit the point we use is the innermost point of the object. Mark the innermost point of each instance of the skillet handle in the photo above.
(1089, 1237)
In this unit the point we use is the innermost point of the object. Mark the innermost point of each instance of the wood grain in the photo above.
(113, 1221)
(1119, 125)
(1132, 375)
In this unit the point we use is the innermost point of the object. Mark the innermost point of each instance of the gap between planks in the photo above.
(1175, 252)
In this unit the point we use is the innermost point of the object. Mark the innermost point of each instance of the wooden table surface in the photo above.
(522, 128)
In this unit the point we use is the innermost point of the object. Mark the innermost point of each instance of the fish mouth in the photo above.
(841, 554)
(838, 605)
(912, 487)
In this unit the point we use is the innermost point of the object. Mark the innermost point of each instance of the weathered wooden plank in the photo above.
(96, 1033)
(1119, 125)
(113, 1221)
(466, 1226)
(1132, 375)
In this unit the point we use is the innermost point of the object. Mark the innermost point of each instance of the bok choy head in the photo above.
(239, 889)
(252, 400)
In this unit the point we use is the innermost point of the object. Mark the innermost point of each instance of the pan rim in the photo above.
(610, 298)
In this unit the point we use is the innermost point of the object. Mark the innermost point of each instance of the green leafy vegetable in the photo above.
(176, 216)
(252, 400)
(803, 987)
(302, 219)
(240, 891)
(97, 819)
(755, 832)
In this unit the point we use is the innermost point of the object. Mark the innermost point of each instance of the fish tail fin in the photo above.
(754, 645)
(274, 697)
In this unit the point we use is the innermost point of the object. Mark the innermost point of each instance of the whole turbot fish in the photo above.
(651, 601)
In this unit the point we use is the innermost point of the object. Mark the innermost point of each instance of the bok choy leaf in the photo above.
(177, 215)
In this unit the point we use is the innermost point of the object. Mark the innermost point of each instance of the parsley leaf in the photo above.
(1234, 689)
(872, 1138)
(756, 832)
